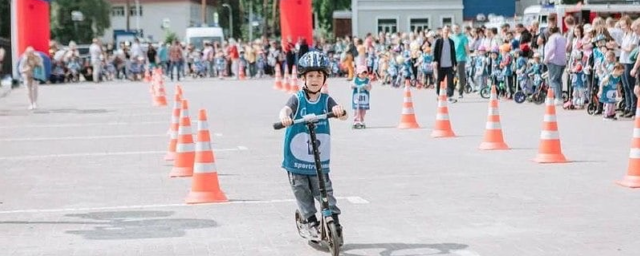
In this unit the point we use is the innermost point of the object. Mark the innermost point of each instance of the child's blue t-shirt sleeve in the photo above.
(292, 103)
(331, 103)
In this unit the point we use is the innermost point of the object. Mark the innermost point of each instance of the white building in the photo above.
(372, 16)
(179, 14)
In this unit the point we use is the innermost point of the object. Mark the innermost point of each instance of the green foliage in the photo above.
(324, 9)
(96, 20)
(170, 36)
(5, 19)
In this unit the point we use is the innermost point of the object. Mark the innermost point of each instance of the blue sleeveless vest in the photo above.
(298, 152)
(360, 100)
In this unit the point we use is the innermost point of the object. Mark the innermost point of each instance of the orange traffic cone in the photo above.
(632, 179)
(286, 85)
(185, 154)
(173, 128)
(493, 139)
(277, 85)
(442, 127)
(550, 150)
(408, 118)
(179, 90)
(147, 76)
(204, 186)
(160, 99)
(241, 74)
(293, 89)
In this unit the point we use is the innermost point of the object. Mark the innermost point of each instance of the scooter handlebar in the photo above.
(308, 119)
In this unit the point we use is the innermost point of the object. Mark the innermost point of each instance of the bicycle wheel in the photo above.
(519, 97)
(565, 96)
(539, 97)
(334, 239)
(485, 92)
(592, 108)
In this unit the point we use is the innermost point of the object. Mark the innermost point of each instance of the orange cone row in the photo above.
(193, 159)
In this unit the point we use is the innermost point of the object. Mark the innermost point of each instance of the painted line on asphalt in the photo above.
(81, 124)
(85, 137)
(465, 253)
(351, 199)
(135, 153)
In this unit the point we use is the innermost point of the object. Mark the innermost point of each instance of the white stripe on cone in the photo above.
(203, 126)
(550, 118)
(184, 130)
(406, 111)
(203, 146)
(185, 147)
(442, 116)
(493, 126)
(204, 167)
(634, 153)
(549, 135)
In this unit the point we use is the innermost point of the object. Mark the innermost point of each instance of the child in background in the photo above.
(578, 83)
(535, 71)
(608, 91)
(360, 95)
(480, 66)
(427, 68)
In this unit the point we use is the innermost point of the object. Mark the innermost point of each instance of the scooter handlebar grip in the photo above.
(278, 126)
(331, 115)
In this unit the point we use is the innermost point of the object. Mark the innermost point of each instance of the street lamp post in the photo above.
(76, 16)
(230, 20)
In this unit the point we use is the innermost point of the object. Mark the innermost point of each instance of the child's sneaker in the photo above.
(312, 232)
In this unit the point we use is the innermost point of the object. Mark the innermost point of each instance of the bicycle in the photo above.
(329, 235)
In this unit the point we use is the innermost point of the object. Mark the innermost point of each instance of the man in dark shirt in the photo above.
(444, 59)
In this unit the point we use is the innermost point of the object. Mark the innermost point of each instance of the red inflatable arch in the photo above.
(32, 24)
(296, 20)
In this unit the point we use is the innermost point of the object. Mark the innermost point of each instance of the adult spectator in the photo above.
(555, 57)
(629, 44)
(95, 51)
(462, 50)
(444, 60)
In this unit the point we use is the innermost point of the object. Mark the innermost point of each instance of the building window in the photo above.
(132, 10)
(447, 21)
(117, 11)
(388, 25)
(417, 25)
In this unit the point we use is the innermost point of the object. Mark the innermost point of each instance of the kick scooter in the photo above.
(329, 235)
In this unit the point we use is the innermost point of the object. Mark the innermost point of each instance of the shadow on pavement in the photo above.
(135, 225)
(402, 249)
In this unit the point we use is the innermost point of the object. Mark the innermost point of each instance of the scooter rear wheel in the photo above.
(592, 108)
(519, 97)
(334, 239)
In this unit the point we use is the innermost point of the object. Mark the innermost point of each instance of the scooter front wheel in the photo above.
(485, 92)
(334, 239)
(519, 97)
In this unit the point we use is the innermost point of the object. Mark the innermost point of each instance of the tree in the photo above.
(324, 9)
(5, 18)
(96, 20)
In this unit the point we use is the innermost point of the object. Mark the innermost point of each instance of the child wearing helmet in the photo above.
(313, 67)
(360, 95)
(480, 67)
(578, 80)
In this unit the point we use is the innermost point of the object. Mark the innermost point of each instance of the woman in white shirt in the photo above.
(629, 43)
